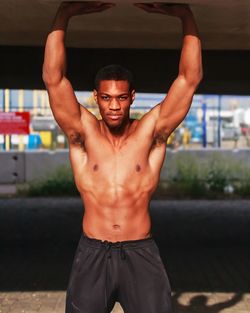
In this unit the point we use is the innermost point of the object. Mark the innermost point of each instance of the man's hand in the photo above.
(172, 9)
(73, 8)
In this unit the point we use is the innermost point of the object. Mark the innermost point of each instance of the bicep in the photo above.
(157, 124)
(66, 109)
(175, 106)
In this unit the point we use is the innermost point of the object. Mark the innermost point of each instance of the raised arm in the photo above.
(173, 109)
(70, 115)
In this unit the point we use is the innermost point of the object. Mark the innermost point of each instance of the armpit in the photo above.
(77, 140)
(159, 139)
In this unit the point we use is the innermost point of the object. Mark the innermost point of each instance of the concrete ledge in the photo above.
(39, 164)
(21, 167)
(12, 169)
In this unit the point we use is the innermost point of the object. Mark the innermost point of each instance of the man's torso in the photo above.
(116, 183)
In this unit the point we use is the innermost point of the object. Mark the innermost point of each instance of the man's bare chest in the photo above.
(122, 162)
(101, 162)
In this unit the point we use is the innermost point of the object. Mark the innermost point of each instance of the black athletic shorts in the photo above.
(129, 272)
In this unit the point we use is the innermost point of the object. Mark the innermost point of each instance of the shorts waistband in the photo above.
(94, 242)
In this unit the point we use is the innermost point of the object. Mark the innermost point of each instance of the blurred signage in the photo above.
(14, 123)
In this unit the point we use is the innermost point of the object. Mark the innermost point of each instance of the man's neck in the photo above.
(117, 136)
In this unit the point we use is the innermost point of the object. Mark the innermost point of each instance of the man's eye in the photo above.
(122, 98)
(105, 98)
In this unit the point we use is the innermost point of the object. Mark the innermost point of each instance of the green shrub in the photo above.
(215, 177)
(58, 183)
(188, 178)
(218, 175)
(243, 188)
(224, 172)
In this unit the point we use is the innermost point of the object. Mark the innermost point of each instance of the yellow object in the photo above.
(170, 139)
(46, 138)
(186, 137)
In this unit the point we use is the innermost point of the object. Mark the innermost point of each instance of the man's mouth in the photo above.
(114, 116)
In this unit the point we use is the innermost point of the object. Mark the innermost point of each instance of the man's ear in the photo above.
(95, 95)
(132, 96)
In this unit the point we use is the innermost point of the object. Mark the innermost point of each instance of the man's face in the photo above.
(114, 99)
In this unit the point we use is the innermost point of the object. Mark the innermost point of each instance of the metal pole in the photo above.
(204, 125)
(4, 137)
(219, 122)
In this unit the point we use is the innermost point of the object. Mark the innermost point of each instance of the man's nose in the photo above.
(114, 104)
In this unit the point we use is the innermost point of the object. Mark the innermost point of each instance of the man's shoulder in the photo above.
(149, 118)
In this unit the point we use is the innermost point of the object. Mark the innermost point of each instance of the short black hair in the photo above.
(114, 72)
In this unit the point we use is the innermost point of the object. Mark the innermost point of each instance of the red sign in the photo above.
(14, 123)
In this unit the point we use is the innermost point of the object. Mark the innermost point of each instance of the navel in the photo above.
(138, 168)
(116, 226)
(95, 167)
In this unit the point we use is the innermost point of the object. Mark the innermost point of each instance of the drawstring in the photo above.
(122, 252)
(108, 245)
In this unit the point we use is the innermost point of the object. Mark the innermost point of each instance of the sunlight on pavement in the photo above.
(186, 302)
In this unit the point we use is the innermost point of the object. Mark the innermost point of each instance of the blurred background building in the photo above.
(213, 120)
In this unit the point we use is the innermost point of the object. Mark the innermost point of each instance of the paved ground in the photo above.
(205, 247)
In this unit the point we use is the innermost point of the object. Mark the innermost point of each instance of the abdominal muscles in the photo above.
(116, 207)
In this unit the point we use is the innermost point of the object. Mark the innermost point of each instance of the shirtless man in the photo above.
(116, 163)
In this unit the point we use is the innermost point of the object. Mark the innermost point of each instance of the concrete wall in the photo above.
(39, 164)
(12, 167)
(18, 167)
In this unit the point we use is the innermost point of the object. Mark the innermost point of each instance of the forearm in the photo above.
(54, 67)
(191, 61)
